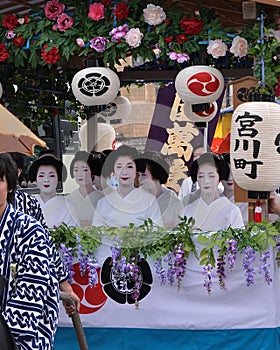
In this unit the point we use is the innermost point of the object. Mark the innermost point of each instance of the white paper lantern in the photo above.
(202, 116)
(199, 84)
(119, 108)
(95, 86)
(255, 146)
(106, 137)
(1, 90)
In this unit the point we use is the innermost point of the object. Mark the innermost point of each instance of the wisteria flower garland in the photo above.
(249, 258)
(68, 261)
(221, 269)
(125, 270)
(264, 267)
(208, 282)
(180, 263)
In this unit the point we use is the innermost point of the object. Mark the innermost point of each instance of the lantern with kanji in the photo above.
(199, 86)
(95, 86)
(255, 146)
(200, 116)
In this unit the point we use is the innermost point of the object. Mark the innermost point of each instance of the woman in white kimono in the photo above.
(83, 168)
(30, 302)
(211, 211)
(152, 179)
(127, 204)
(47, 171)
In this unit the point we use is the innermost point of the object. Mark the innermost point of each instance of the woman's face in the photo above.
(47, 179)
(125, 171)
(82, 173)
(207, 178)
(147, 182)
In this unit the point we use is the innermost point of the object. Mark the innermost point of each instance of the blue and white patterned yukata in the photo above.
(30, 302)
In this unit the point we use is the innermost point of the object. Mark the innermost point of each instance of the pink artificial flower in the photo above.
(154, 15)
(10, 34)
(119, 33)
(53, 9)
(134, 37)
(64, 22)
(96, 11)
(98, 43)
(80, 42)
(239, 47)
(179, 57)
(172, 55)
(21, 20)
(216, 48)
(182, 57)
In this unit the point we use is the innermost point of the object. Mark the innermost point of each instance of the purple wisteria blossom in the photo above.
(180, 263)
(249, 257)
(231, 253)
(208, 283)
(263, 269)
(221, 270)
(171, 270)
(98, 43)
(133, 271)
(119, 33)
(81, 257)
(160, 271)
(68, 261)
(278, 252)
(92, 267)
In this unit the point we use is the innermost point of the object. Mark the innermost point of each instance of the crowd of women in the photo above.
(114, 188)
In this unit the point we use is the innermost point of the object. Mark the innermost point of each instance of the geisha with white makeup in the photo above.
(83, 168)
(126, 204)
(211, 211)
(47, 171)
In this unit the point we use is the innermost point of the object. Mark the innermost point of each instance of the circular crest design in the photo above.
(95, 86)
(199, 84)
(113, 287)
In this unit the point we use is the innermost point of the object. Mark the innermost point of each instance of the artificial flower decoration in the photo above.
(154, 15)
(239, 47)
(217, 48)
(111, 31)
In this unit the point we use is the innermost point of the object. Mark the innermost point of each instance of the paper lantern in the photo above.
(255, 146)
(119, 108)
(95, 86)
(1, 90)
(106, 137)
(201, 116)
(199, 84)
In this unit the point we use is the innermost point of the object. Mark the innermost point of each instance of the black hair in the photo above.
(18, 158)
(212, 158)
(93, 159)
(123, 151)
(48, 159)
(158, 166)
(226, 157)
(8, 169)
